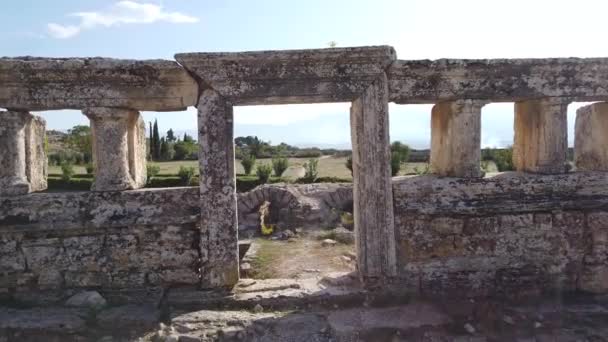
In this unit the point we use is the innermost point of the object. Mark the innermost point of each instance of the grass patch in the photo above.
(263, 264)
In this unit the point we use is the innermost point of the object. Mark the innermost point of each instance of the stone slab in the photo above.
(498, 80)
(502, 193)
(290, 76)
(36, 84)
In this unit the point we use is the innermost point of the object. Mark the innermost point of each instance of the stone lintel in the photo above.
(372, 189)
(219, 229)
(498, 80)
(110, 130)
(290, 76)
(591, 138)
(541, 135)
(77, 83)
(456, 138)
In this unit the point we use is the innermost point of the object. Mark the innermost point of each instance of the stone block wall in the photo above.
(112, 242)
(511, 234)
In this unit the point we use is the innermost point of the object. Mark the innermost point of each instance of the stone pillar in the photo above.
(219, 229)
(372, 185)
(35, 152)
(590, 138)
(456, 138)
(137, 149)
(541, 135)
(13, 159)
(111, 147)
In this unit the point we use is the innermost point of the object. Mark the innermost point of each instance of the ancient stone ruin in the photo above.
(451, 233)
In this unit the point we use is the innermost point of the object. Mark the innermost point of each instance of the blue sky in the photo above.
(418, 29)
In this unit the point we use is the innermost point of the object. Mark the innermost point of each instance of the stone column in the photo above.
(590, 138)
(111, 147)
(35, 152)
(541, 135)
(219, 232)
(13, 160)
(456, 138)
(372, 185)
(137, 149)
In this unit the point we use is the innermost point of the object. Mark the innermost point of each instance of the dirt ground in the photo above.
(302, 257)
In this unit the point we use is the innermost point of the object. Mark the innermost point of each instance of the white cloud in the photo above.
(122, 12)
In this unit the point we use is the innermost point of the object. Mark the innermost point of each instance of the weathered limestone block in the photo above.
(498, 80)
(219, 230)
(292, 76)
(116, 148)
(541, 135)
(590, 138)
(456, 138)
(79, 83)
(372, 188)
(594, 277)
(22, 156)
(35, 151)
(137, 149)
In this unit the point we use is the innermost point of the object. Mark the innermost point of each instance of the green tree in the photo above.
(166, 150)
(279, 165)
(150, 143)
(79, 138)
(400, 153)
(171, 136)
(156, 141)
(310, 171)
(263, 171)
(248, 161)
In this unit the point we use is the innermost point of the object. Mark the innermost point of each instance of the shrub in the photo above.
(263, 171)
(67, 171)
(310, 171)
(152, 171)
(349, 164)
(395, 164)
(76, 183)
(90, 169)
(504, 159)
(185, 174)
(248, 161)
(279, 164)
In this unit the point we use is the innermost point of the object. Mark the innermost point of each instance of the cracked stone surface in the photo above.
(30, 83)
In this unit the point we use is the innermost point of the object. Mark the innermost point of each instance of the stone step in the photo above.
(338, 290)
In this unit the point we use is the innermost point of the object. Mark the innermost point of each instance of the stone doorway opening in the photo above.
(298, 224)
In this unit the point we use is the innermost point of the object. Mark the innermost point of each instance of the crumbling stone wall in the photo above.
(113, 242)
(508, 234)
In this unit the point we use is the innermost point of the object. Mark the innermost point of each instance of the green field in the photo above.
(328, 167)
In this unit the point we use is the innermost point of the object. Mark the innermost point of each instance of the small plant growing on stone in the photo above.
(311, 172)
(90, 169)
(263, 171)
(186, 173)
(279, 165)
(67, 171)
(248, 161)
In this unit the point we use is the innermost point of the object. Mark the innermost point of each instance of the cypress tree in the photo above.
(150, 143)
(156, 141)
